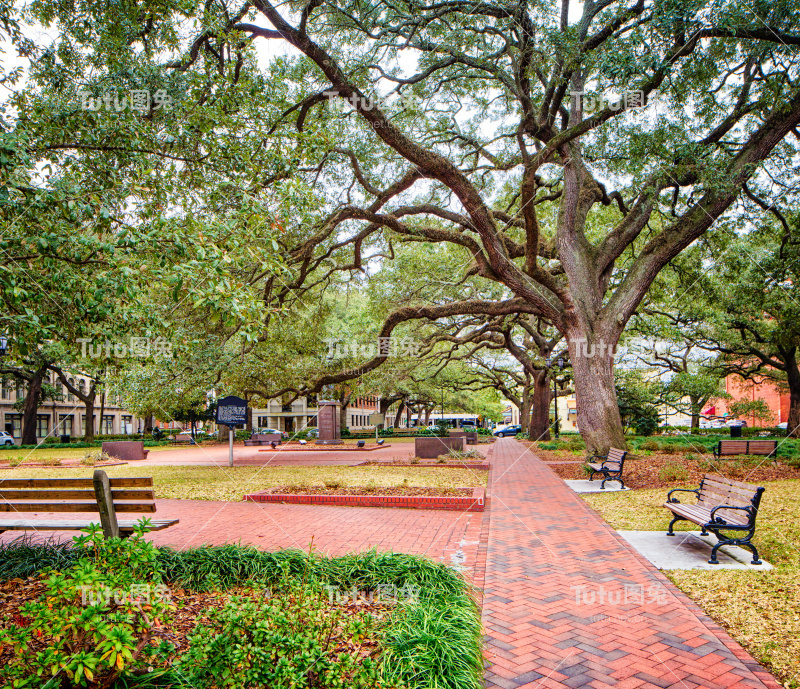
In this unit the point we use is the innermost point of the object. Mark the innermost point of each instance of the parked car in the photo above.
(782, 425)
(6, 438)
(312, 432)
(283, 434)
(736, 422)
(508, 430)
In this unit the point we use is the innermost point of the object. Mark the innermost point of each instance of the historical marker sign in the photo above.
(231, 411)
(376, 419)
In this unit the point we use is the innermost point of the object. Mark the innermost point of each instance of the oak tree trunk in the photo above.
(89, 425)
(525, 408)
(32, 401)
(540, 407)
(599, 420)
(793, 379)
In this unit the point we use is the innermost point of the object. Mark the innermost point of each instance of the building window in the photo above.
(42, 425)
(20, 390)
(108, 425)
(70, 396)
(127, 424)
(14, 425)
(6, 393)
(263, 422)
(65, 424)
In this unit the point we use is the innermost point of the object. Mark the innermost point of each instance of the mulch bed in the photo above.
(660, 470)
(405, 491)
(191, 610)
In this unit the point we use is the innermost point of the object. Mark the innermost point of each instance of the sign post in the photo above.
(231, 412)
(376, 420)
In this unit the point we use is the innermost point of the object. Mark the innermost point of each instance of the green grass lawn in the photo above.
(761, 610)
(225, 483)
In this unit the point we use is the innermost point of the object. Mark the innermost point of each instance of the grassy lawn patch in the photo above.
(761, 610)
(226, 483)
(236, 616)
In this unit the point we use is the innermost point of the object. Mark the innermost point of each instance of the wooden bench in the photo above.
(126, 450)
(263, 439)
(722, 505)
(182, 438)
(96, 494)
(726, 448)
(611, 466)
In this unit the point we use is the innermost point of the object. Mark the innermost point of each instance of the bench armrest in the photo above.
(595, 456)
(713, 519)
(681, 490)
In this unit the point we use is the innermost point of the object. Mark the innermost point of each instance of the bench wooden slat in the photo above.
(713, 498)
(76, 525)
(702, 515)
(117, 494)
(741, 489)
(73, 507)
(119, 482)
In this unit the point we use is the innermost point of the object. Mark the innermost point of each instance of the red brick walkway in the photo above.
(568, 604)
(449, 537)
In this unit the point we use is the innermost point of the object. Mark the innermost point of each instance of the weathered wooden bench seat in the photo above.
(97, 494)
(263, 439)
(722, 505)
(611, 466)
(726, 448)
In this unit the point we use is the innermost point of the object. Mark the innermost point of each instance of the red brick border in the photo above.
(427, 465)
(473, 503)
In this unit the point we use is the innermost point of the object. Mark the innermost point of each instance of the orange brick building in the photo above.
(777, 400)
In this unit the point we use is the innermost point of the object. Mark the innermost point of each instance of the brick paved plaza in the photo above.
(566, 602)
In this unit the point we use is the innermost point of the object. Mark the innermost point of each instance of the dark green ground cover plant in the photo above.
(431, 641)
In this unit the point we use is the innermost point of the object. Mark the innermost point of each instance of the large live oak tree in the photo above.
(573, 213)
(522, 63)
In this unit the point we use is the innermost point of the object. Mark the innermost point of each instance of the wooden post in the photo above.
(105, 504)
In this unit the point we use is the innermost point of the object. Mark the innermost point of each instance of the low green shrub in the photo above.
(547, 446)
(673, 472)
(91, 625)
(283, 641)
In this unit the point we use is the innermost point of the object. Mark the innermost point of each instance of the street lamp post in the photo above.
(3, 345)
(561, 364)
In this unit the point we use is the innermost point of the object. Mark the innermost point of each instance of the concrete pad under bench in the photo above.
(688, 550)
(587, 486)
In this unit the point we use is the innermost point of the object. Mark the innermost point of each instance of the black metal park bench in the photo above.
(610, 467)
(722, 505)
(727, 448)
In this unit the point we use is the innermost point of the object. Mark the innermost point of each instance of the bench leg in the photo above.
(713, 560)
(672, 523)
(611, 478)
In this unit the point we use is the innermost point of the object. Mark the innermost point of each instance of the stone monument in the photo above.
(328, 420)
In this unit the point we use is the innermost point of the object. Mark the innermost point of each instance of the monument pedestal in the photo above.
(328, 423)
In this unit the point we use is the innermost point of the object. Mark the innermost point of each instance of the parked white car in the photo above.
(6, 438)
